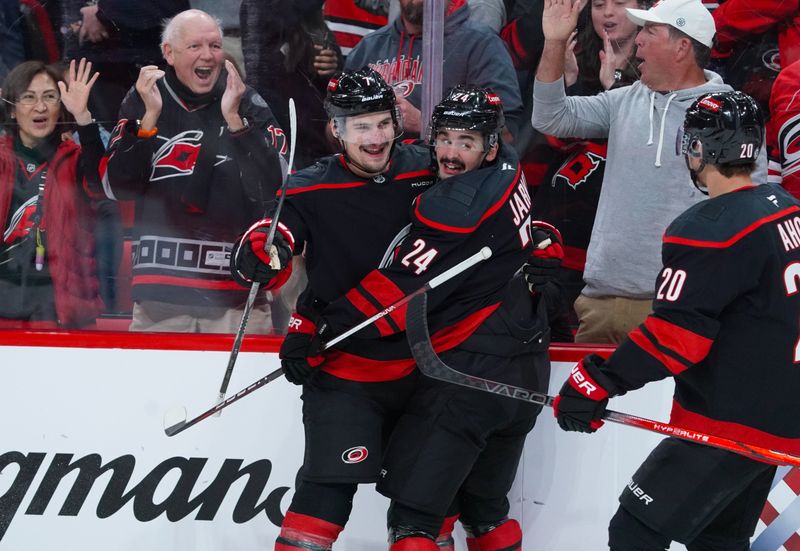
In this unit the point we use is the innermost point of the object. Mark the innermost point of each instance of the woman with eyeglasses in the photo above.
(47, 251)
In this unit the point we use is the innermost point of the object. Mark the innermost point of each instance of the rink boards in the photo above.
(85, 463)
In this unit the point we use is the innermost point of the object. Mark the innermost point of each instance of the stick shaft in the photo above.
(251, 296)
(448, 274)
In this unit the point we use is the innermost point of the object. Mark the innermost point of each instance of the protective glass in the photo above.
(29, 98)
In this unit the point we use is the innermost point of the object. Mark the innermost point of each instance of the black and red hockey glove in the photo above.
(250, 261)
(542, 266)
(301, 351)
(583, 399)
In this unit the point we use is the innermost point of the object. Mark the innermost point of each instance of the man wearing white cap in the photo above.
(644, 187)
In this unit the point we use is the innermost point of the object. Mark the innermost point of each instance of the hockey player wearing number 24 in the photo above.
(455, 450)
(725, 327)
(341, 213)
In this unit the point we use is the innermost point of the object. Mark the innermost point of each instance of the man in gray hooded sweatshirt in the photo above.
(645, 185)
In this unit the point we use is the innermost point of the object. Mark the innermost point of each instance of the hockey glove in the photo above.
(542, 266)
(301, 351)
(582, 401)
(250, 261)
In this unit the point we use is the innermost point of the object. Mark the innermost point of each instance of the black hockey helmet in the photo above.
(469, 108)
(358, 92)
(729, 125)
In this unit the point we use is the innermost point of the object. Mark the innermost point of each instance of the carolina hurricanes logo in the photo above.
(356, 454)
(178, 156)
(21, 222)
(404, 88)
(580, 166)
(789, 139)
(772, 60)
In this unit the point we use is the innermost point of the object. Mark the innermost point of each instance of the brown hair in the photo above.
(20, 77)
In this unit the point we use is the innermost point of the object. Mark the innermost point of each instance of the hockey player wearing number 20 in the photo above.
(725, 327)
(341, 213)
(456, 450)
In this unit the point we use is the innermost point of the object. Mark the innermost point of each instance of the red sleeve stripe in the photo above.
(645, 340)
(385, 293)
(687, 343)
(489, 212)
(360, 302)
(727, 243)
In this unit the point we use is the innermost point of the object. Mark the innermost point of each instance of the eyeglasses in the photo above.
(467, 146)
(29, 98)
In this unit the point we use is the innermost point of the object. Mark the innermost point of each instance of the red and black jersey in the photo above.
(568, 195)
(350, 23)
(783, 131)
(725, 320)
(196, 185)
(450, 222)
(344, 223)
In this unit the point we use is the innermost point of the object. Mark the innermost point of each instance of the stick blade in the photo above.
(174, 420)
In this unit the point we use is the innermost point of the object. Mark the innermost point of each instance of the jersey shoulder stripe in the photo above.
(461, 203)
(725, 220)
(326, 173)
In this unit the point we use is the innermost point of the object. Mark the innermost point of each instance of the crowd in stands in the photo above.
(140, 138)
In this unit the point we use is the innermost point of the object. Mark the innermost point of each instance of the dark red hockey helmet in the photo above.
(729, 125)
(358, 92)
(469, 108)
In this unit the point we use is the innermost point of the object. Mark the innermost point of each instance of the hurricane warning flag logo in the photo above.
(355, 454)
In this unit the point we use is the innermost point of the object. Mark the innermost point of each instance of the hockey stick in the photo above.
(432, 366)
(251, 297)
(179, 425)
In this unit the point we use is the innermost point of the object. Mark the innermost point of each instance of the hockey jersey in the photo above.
(725, 320)
(783, 130)
(196, 186)
(343, 224)
(487, 207)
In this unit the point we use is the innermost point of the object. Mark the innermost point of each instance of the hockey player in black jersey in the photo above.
(725, 327)
(341, 214)
(456, 450)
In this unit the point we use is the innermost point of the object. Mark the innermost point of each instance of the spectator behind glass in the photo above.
(291, 53)
(473, 54)
(783, 130)
(47, 264)
(644, 186)
(755, 38)
(567, 195)
(118, 37)
(198, 152)
(12, 41)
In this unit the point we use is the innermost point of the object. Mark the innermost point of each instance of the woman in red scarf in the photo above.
(47, 261)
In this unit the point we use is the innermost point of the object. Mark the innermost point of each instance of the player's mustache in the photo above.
(458, 163)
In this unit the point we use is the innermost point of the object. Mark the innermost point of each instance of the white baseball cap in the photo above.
(688, 16)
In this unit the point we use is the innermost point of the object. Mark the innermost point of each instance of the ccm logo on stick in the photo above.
(581, 382)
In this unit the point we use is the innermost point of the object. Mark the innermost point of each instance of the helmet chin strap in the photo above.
(702, 188)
